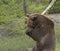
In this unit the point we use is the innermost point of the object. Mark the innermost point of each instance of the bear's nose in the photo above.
(27, 32)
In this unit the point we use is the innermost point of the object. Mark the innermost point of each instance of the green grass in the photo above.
(58, 47)
(57, 31)
(15, 43)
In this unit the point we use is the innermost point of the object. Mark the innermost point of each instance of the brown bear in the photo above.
(41, 29)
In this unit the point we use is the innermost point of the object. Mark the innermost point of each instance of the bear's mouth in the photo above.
(29, 31)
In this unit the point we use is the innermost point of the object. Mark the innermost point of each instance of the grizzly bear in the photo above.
(41, 29)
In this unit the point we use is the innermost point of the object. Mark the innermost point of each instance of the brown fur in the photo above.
(41, 29)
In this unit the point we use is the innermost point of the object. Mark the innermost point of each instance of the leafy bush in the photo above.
(55, 8)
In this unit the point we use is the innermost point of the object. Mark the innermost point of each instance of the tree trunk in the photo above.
(24, 7)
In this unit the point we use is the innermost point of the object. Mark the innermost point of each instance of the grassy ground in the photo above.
(17, 42)
(57, 30)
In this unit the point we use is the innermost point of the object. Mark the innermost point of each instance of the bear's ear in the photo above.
(27, 15)
(35, 18)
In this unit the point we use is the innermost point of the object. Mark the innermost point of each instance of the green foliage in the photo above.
(55, 8)
(57, 32)
(36, 9)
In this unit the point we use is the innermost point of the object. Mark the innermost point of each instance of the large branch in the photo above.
(49, 6)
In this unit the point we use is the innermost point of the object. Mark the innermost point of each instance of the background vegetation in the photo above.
(55, 8)
(12, 26)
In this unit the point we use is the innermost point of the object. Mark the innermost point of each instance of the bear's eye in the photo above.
(32, 17)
